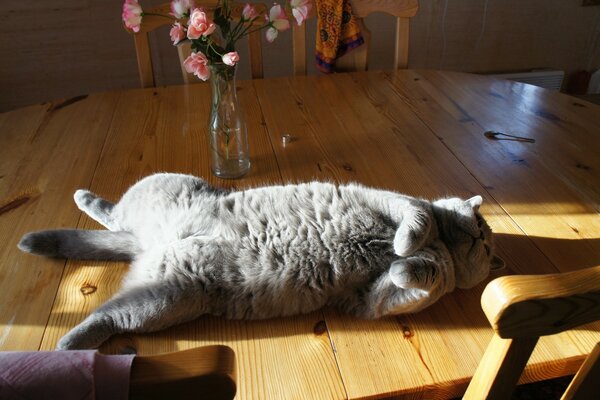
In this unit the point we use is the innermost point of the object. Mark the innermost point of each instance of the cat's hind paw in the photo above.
(83, 198)
(96, 207)
(90, 334)
(71, 343)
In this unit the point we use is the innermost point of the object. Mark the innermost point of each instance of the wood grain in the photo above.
(418, 132)
(45, 156)
(165, 129)
(533, 305)
(208, 370)
(329, 120)
(517, 175)
(397, 8)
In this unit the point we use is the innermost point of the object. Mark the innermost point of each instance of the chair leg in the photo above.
(585, 384)
(500, 368)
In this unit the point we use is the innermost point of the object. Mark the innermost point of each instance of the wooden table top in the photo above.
(418, 132)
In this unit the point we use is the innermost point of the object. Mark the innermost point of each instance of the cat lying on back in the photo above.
(268, 252)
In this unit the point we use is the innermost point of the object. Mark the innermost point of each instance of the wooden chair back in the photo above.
(521, 308)
(152, 22)
(357, 59)
(205, 372)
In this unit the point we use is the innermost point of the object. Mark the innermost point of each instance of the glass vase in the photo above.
(227, 127)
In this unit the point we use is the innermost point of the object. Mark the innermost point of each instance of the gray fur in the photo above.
(81, 245)
(270, 251)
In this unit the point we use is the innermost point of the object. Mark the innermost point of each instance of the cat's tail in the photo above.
(81, 244)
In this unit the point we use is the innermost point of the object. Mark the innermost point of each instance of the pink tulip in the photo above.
(199, 24)
(132, 15)
(249, 12)
(197, 64)
(278, 22)
(181, 7)
(300, 10)
(231, 58)
(177, 33)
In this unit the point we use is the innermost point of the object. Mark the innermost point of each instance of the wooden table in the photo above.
(419, 132)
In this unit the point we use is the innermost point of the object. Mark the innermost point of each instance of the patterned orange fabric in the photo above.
(337, 32)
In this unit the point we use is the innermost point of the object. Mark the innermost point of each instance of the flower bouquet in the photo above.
(213, 32)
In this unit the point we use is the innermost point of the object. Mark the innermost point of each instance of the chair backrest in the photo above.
(204, 372)
(152, 22)
(357, 59)
(521, 308)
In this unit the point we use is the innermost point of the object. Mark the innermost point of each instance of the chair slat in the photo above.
(397, 8)
(402, 41)
(255, 47)
(299, 49)
(144, 60)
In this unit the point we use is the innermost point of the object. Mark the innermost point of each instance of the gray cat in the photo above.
(270, 251)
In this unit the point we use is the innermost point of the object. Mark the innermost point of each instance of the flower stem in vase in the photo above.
(227, 127)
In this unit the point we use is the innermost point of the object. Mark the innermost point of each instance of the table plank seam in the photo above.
(79, 220)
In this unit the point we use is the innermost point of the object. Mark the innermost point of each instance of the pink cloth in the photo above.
(64, 375)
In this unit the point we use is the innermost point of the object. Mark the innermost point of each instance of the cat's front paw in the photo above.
(413, 273)
(404, 244)
(412, 233)
(401, 274)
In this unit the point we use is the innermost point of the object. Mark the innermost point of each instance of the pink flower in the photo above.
(249, 12)
(177, 33)
(199, 24)
(300, 10)
(180, 7)
(197, 64)
(278, 22)
(231, 58)
(132, 15)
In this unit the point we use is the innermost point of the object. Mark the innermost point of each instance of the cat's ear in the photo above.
(475, 202)
(497, 263)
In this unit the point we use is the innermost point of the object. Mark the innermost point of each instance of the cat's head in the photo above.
(468, 238)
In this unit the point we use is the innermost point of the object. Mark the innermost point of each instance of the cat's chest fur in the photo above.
(301, 224)
(306, 243)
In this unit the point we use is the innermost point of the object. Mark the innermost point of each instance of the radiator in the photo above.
(547, 78)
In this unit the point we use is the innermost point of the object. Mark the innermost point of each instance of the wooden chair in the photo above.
(521, 308)
(152, 22)
(356, 60)
(204, 372)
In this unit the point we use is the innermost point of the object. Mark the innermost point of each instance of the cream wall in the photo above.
(58, 49)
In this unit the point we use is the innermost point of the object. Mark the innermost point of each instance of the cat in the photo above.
(269, 251)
